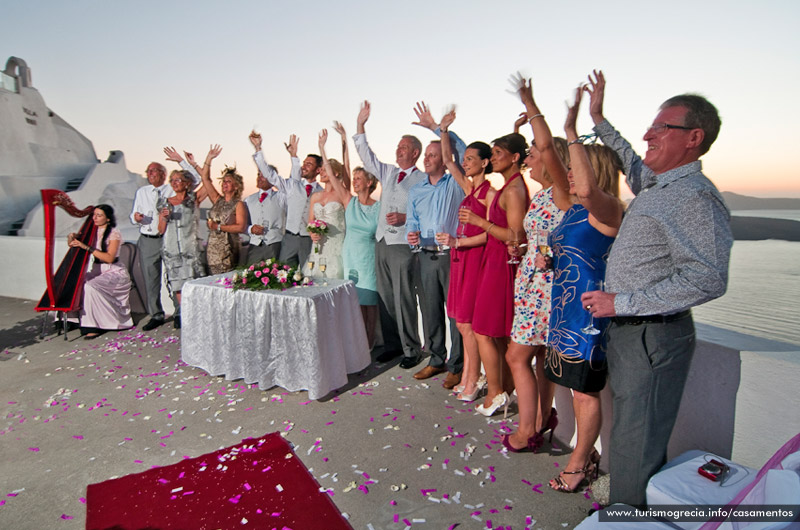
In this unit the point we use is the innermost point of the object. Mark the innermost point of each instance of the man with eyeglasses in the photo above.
(671, 254)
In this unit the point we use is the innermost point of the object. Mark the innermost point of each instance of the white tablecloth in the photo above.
(304, 338)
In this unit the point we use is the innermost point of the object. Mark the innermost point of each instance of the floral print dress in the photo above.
(532, 288)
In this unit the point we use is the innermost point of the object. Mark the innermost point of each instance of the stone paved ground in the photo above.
(391, 451)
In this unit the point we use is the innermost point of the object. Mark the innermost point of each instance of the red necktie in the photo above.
(308, 190)
(401, 176)
(263, 196)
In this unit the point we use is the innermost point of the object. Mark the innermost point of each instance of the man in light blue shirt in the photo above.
(432, 208)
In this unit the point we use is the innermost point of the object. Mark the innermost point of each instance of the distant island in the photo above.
(760, 228)
(743, 202)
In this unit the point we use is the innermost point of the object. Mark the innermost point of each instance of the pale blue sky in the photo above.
(137, 76)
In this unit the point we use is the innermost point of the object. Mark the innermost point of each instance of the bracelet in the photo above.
(219, 227)
(489, 228)
(575, 141)
(457, 240)
(535, 116)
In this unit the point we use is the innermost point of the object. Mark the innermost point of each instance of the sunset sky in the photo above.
(137, 76)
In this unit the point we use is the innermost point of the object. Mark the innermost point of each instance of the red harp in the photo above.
(64, 287)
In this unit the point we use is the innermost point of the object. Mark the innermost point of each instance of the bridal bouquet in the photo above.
(317, 227)
(269, 274)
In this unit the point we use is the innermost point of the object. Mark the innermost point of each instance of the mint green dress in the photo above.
(358, 252)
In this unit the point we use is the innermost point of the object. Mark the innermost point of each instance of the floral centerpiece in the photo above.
(317, 227)
(268, 274)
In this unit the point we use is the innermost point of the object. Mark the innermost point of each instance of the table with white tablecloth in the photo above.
(303, 338)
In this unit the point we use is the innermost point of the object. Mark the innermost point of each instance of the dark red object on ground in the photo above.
(259, 484)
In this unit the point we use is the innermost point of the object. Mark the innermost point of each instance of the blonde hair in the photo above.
(372, 182)
(339, 172)
(562, 150)
(237, 178)
(607, 167)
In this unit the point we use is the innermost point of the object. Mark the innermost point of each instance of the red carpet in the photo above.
(258, 484)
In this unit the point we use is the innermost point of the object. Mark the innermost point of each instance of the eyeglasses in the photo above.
(659, 128)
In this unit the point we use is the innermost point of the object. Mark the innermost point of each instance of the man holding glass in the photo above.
(671, 254)
(433, 208)
(394, 261)
(144, 214)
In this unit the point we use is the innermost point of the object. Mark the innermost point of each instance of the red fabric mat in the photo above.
(259, 484)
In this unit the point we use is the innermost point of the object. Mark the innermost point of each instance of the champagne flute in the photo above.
(323, 266)
(390, 228)
(592, 285)
(441, 249)
(414, 227)
(514, 241)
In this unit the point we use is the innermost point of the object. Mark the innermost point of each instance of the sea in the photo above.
(763, 297)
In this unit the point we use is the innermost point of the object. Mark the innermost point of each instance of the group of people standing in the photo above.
(564, 288)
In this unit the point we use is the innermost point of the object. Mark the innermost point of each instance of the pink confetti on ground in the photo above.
(66, 517)
(34, 449)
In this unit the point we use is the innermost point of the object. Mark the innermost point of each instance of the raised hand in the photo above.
(255, 139)
(524, 88)
(522, 120)
(448, 119)
(292, 145)
(339, 128)
(424, 116)
(173, 155)
(323, 137)
(363, 114)
(190, 158)
(213, 152)
(572, 112)
(596, 95)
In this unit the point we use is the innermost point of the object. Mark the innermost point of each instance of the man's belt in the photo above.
(650, 319)
(159, 236)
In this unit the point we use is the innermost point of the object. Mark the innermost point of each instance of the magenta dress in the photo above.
(465, 273)
(495, 298)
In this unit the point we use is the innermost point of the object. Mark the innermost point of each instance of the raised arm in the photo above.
(543, 140)
(447, 153)
(339, 128)
(174, 156)
(371, 163)
(337, 185)
(633, 167)
(604, 207)
(205, 172)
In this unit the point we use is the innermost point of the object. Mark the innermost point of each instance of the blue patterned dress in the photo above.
(575, 359)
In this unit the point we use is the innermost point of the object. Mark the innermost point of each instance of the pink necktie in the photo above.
(308, 190)
(263, 196)
(401, 176)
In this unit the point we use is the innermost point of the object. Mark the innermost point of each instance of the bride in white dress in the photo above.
(328, 206)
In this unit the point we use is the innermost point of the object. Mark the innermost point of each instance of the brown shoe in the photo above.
(451, 380)
(428, 371)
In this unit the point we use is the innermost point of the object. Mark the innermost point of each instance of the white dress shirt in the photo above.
(393, 194)
(297, 198)
(269, 213)
(145, 203)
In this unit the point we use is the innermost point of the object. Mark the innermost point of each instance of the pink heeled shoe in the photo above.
(534, 443)
(552, 423)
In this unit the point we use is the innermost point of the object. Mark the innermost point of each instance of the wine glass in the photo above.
(514, 241)
(323, 266)
(414, 227)
(542, 243)
(441, 249)
(592, 285)
(390, 228)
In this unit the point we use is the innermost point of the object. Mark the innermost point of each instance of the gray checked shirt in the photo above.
(674, 244)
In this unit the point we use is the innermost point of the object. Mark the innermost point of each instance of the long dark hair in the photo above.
(112, 222)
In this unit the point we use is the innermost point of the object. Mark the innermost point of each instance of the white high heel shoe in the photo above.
(479, 386)
(500, 400)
